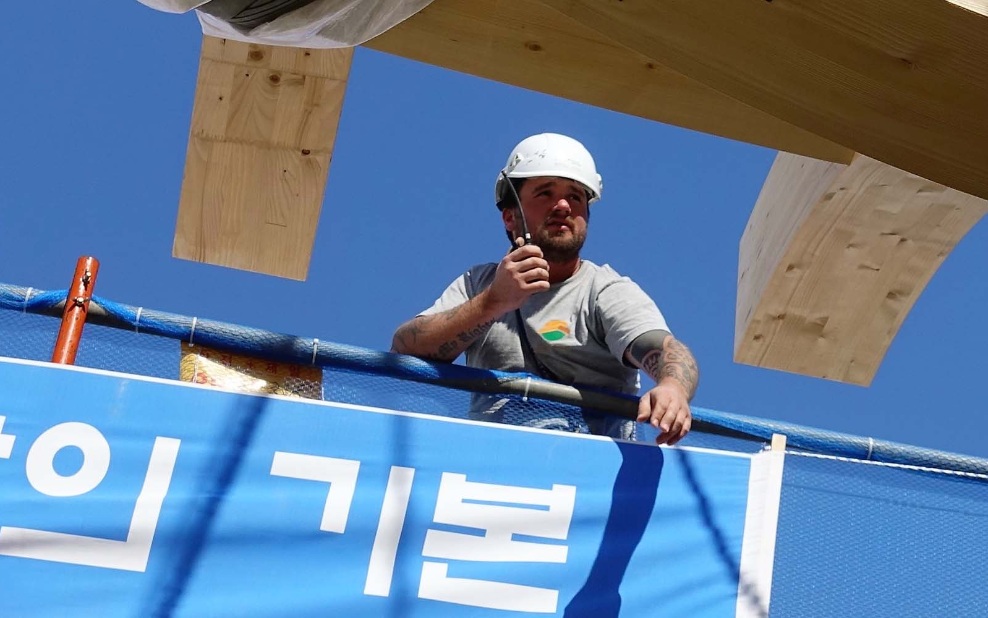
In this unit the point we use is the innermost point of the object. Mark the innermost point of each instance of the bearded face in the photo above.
(561, 239)
(556, 211)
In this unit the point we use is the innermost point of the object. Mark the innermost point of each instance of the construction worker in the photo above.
(544, 310)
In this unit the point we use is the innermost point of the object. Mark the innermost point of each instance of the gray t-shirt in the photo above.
(579, 328)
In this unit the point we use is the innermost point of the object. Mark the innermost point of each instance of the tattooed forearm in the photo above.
(665, 357)
(443, 336)
(452, 348)
(447, 351)
(406, 338)
(678, 362)
(429, 336)
(652, 364)
(468, 337)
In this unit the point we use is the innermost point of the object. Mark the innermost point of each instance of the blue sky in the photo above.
(96, 109)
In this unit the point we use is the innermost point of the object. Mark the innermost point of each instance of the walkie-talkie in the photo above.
(521, 212)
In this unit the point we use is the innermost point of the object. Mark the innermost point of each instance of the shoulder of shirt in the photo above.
(480, 269)
(604, 277)
(602, 272)
(480, 274)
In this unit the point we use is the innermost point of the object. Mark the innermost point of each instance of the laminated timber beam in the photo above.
(263, 127)
(834, 257)
(528, 44)
(905, 83)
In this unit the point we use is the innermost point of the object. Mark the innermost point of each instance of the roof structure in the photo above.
(877, 109)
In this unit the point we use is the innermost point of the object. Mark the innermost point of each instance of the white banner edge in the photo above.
(760, 529)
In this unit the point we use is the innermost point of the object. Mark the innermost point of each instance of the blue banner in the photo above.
(123, 496)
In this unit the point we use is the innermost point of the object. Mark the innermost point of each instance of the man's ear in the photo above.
(508, 216)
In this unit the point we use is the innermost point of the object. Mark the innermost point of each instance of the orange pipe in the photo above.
(76, 308)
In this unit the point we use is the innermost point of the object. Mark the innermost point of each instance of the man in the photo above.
(545, 310)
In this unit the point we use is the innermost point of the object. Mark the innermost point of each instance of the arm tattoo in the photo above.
(446, 350)
(452, 348)
(673, 361)
(469, 336)
(652, 364)
(678, 362)
(407, 336)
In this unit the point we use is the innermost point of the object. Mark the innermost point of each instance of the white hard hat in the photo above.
(550, 154)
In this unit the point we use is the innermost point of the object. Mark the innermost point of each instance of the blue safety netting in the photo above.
(865, 527)
(864, 539)
(144, 341)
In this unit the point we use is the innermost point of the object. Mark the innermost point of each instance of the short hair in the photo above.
(508, 199)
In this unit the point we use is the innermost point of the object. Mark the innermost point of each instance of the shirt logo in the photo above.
(554, 330)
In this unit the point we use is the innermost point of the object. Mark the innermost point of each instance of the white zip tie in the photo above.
(528, 382)
(27, 297)
(871, 446)
(192, 333)
(315, 346)
(137, 322)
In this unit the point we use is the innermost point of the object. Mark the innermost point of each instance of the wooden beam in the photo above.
(833, 259)
(978, 6)
(526, 44)
(902, 82)
(263, 127)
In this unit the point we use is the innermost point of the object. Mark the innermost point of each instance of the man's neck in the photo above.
(561, 271)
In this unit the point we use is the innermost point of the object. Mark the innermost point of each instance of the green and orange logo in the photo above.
(554, 330)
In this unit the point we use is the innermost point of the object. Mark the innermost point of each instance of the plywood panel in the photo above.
(833, 259)
(905, 83)
(527, 44)
(263, 127)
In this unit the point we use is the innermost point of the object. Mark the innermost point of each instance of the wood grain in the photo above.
(263, 127)
(833, 259)
(905, 83)
(527, 44)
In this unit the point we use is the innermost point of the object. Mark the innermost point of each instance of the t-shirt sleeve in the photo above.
(465, 287)
(453, 296)
(625, 311)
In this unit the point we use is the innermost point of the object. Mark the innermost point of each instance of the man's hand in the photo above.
(666, 407)
(520, 274)
(670, 363)
(444, 336)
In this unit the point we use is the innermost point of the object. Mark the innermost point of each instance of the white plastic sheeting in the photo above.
(321, 24)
